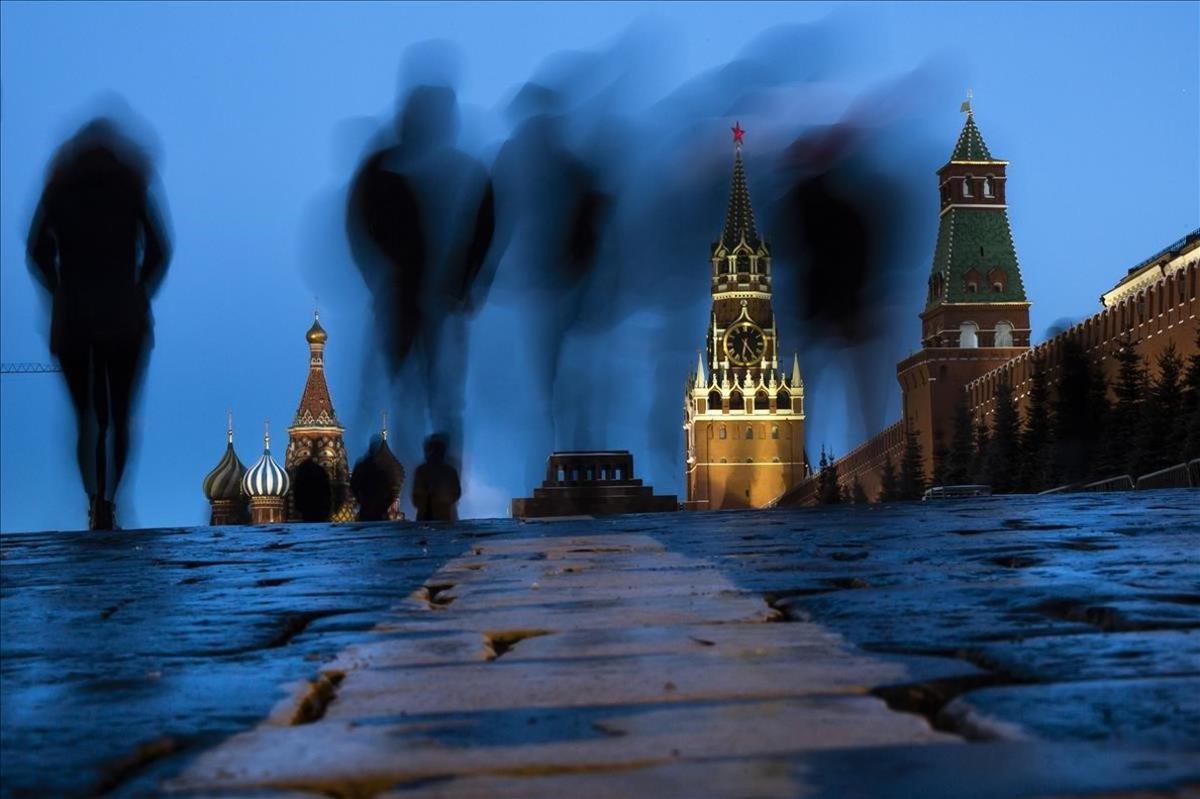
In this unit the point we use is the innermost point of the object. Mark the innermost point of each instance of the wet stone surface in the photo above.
(1000, 647)
(124, 653)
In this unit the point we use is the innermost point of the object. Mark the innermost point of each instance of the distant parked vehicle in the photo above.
(956, 492)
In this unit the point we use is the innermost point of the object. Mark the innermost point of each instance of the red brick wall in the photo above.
(864, 462)
(1165, 312)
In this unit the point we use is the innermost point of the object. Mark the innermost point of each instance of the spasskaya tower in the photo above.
(743, 416)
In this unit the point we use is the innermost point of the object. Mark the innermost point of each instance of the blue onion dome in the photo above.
(225, 481)
(266, 478)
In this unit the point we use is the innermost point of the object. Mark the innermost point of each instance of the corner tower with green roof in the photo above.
(976, 313)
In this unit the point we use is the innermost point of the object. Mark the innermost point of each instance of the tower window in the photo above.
(987, 188)
(749, 432)
(998, 279)
(1004, 337)
(723, 434)
(966, 186)
(968, 335)
(775, 432)
(971, 281)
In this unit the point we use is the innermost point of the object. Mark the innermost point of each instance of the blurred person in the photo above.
(436, 489)
(420, 221)
(98, 246)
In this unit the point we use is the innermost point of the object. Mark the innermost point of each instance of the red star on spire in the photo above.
(738, 133)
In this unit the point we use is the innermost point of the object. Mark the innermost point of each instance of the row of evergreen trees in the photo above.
(907, 483)
(1082, 430)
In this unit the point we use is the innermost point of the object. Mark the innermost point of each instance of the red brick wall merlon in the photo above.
(1162, 313)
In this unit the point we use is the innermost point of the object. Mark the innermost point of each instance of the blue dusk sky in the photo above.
(260, 112)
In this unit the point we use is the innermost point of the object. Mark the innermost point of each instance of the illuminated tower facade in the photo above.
(315, 432)
(743, 415)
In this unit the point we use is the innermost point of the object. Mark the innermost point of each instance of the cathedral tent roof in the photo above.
(316, 406)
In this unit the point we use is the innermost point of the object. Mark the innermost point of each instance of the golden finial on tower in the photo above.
(229, 425)
(383, 432)
(966, 106)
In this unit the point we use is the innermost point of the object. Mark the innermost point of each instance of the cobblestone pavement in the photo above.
(1011, 647)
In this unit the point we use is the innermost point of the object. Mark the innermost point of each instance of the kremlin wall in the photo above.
(975, 326)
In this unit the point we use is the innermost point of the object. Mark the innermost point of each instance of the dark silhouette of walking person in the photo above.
(435, 489)
(420, 219)
(98, 246)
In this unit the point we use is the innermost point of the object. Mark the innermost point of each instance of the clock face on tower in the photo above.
(745, 344)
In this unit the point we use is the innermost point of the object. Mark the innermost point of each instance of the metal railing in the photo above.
(28, 368)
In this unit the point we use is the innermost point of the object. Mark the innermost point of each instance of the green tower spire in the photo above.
(974, 260)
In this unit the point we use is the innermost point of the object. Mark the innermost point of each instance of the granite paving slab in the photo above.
(616, 673)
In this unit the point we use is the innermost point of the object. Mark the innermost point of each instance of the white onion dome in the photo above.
(225, 481)
(266, 478)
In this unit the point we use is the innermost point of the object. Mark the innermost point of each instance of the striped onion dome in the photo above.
(266, 478)
(225, 481)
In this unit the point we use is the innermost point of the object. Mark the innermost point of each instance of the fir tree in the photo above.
(912, 471)
(1098, 411)
(1036, 435)
(980, 454)
(962, 446)
(889, 489)
(1191, 402)
(828, 492)
(1002, 464)
(940, 466)
(1130, 391)
(857, 495)
(1072, 435)
(1160, 444)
